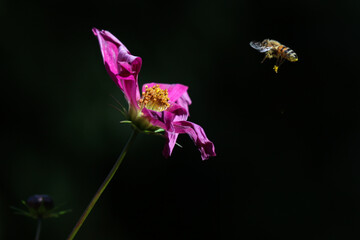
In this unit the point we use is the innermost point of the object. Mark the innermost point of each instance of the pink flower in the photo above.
(160, 107)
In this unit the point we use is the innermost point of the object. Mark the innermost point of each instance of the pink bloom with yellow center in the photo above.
(160, 106)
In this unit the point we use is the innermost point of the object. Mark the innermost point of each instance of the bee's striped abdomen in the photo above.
(283, 50)
(287, 53)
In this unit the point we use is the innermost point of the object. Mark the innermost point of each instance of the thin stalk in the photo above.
(103, 186)
(38, 229)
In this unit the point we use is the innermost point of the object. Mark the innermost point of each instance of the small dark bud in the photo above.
(40, 205)
(36, 201)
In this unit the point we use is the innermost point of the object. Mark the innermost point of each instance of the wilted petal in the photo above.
(109, 46)
(166, 118)
(122, 67)
(157, 119)
(178, 112)
(197, 134)
(170, 144)
(184, 101)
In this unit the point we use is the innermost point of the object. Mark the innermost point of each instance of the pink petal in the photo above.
(197, 134)
(159, 119)
(184, 101)
(178, 112)
(109, 49)
(166, 118)
(170, 144)
(122, 67)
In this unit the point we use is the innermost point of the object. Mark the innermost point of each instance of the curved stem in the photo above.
(38, 229)
(103, 186)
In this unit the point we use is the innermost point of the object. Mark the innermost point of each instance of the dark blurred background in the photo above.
(288, 163)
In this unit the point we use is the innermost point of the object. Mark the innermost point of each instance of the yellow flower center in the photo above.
(155, 99)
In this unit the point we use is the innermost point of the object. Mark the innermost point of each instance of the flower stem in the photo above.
(38, 229)
(103, 186)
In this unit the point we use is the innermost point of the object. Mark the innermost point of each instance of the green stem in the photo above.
(103, 186)
(38, 229)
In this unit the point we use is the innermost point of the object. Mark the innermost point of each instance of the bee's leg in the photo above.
(266, 56)
(281, 61)
(278, 59)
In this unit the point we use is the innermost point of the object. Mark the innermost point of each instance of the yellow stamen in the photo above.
(155, 99)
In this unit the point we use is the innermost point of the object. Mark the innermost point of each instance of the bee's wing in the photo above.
(258, 46)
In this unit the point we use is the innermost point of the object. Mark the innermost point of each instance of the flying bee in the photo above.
(274, 49)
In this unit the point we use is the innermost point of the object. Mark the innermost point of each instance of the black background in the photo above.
(287, 144)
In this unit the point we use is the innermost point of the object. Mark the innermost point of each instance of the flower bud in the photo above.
(36, 201)
(40, 205)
